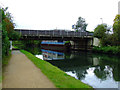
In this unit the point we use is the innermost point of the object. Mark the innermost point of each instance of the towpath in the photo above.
(22, 73)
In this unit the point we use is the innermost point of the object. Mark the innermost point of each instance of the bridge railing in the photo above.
(56, 33)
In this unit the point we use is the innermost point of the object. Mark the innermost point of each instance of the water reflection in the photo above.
(96, 70)
(51, 55)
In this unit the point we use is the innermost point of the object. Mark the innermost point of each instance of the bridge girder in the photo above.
(53, 38)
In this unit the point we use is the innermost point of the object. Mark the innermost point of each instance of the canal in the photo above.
(96, 70)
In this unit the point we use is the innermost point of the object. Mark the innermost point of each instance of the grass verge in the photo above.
(57, 76)
(0, 79)
(6, 59)
(108, 50)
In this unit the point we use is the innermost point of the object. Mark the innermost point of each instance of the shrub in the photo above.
(108, 49)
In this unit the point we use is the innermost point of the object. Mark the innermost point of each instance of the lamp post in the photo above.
(102, 20)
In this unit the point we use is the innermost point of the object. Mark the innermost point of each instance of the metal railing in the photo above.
(55, 33)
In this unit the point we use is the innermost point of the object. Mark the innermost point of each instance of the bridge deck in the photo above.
(52, 34)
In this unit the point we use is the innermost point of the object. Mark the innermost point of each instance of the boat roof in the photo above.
(46, 42)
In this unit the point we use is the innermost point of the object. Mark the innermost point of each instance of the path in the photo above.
(22, 73)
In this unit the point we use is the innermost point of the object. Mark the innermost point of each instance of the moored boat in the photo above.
(57, 46)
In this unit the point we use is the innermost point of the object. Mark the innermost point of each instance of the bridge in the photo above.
(79, 40)
(52, 34)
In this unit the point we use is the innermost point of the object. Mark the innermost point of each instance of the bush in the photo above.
(109, 49)
(5, 39)
(7, 31)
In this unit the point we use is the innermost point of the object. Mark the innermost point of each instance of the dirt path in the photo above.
(22, 73)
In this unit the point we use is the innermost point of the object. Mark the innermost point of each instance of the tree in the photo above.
(5, 39)
(81, 25)
(102, 33)
(116, 29)
(7, 30)
(100, 30)
(9, 25)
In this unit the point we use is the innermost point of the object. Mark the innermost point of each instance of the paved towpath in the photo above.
(22, 73)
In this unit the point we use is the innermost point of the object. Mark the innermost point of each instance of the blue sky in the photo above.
(60, 14)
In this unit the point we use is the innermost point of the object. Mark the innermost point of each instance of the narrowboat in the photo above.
(55, 46)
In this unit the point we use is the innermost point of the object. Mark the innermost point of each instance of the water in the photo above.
(97, 70)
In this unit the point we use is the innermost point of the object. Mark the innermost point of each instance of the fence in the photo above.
(56, 33)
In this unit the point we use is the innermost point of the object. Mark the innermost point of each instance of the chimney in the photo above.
(119, 7)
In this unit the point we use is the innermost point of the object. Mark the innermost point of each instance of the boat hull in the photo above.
(55, 47)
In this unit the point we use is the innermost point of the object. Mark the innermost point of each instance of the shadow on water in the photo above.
(97, 70)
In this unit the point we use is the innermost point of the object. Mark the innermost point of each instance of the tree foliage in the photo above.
(116, 29)
(7, 30)
(5, 39)
(9, 25)
(81, 25)
(102, 33)
(100, 30)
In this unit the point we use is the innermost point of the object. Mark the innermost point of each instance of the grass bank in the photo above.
(108, 50)
(6, 59)
(57, 76)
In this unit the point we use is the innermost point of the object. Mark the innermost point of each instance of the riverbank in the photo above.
(6, 59)
(113, 50)
(58, 77)
(22, 73)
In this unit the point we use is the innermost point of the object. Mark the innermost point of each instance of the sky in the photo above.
(60, 14)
